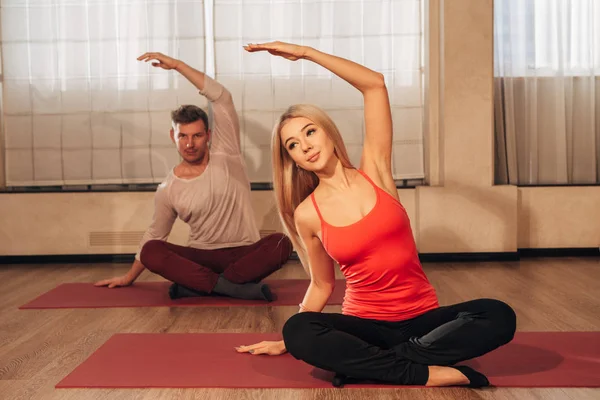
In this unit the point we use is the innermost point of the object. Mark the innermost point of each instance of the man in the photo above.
(210, 191)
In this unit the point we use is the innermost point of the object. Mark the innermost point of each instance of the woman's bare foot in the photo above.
(456, 376)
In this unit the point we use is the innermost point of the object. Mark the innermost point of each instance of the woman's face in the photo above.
(307, 143)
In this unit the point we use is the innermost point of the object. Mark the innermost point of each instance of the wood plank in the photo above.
(39, 347)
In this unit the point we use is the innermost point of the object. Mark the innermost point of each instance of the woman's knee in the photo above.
(152, 254)
(503, 318)
(298, 332)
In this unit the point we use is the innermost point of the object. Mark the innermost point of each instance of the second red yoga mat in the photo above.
(532, 359)
(155, 294)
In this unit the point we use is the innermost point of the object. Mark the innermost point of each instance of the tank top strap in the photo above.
(312, 197)
(377, 188)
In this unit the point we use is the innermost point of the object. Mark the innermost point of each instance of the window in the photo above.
(547, 63)
(546, 38)
(79, 109)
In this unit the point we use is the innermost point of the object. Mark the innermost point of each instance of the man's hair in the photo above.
(188, 114)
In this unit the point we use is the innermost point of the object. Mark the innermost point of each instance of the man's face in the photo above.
(191, 140)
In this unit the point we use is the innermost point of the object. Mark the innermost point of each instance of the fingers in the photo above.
(285, 50)
(252, 48)
(247, 349)
(111, 283)
(145, 57)
(150, 56)
(259, 348)
(260, 46)
(260, 351)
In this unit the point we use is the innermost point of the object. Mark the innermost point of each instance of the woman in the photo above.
(392, 328)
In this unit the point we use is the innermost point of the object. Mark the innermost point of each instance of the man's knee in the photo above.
(152, 255)
(282, 244)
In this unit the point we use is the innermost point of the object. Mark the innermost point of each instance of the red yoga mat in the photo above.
(532, 359)
(155, 294)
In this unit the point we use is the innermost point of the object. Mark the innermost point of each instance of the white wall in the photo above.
(462, 212)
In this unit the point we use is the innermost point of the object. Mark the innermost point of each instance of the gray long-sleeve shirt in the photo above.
(216, 205)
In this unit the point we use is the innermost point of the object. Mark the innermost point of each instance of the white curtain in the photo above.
(79, 108)
(547, 91)
(384, 35)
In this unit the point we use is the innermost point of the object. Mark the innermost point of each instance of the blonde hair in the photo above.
(292, 185)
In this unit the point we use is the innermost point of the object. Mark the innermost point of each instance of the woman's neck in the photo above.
(336, 177)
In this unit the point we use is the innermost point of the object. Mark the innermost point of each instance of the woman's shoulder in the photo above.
(305, 215)
(305, 210)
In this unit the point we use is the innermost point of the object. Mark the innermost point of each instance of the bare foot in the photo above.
(446, 376)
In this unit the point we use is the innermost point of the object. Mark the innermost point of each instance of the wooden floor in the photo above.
(40, 347)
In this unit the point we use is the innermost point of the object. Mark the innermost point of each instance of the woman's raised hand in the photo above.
(288, 51)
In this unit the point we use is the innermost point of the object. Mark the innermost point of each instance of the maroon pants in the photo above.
(199, 269)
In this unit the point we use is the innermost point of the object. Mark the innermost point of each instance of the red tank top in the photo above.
(379, 259)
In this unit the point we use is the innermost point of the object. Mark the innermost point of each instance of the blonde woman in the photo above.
(392, 328)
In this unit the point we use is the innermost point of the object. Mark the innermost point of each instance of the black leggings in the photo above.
(399, 352)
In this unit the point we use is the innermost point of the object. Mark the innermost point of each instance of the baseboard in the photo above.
(510, 256)
(468, 257)
(424, 257)
(563, 252)
(68, 259)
